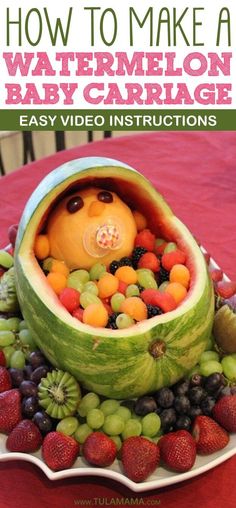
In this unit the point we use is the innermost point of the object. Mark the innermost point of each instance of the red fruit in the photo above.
(25, 437)
(99, 449)
(2, 359)
(207, 257)
(160, 247)
(12, 232)
(122, 287)
(225, 289)
(149, 260)
(172, 258)
(159, 299)
(70, 298)
(208, 435)
(224, 412)
(10, 410)
(78, 314)
(5, 380)
(178, 450)
(145, 239)
(59, 451)
(140, 457)
(216, 275)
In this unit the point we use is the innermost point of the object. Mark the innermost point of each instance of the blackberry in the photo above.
(163, 275)
(125, 261)
(153, 310)
(137, 254)
(141, 288)
(112, 321)
(114, 265)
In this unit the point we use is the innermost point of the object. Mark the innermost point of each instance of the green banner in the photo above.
(116, 119)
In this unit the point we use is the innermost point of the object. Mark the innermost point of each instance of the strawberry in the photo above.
(175, 257)
(149, 260)
(224, 412)
(225, 289)
(208, 435)
(216, 275)
(178, 450)
(10, 410)
(59, 451)
(2, 359)
(5, 380)
(140, 457)
(159, 299)
(145, 239)
(25, 437)
(99, 449)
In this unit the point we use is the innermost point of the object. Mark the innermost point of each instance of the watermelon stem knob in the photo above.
(157, 349)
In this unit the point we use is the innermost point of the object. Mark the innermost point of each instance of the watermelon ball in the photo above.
(149, 260)
(78, 313)
(159, 299)
(145, 239)
(70, 299)
(169, 259)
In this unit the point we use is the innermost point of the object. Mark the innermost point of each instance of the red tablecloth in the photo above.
(196, 172)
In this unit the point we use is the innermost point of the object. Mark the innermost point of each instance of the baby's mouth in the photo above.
(98, 240)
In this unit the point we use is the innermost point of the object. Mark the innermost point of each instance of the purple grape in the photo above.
(182, 387)
(168, 419)
(194, 411)
(183, 423)
(36, 359)
(43, 421)
(17, 376)
(27, 371)
(213, 382)
(196, 380)
(165, 397)
(145, 405)
(39, 373)
(182, 404)
(28, 388)
(207, 405)
(196, 394)
(29, 406)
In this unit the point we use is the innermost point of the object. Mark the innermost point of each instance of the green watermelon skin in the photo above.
(118, 364)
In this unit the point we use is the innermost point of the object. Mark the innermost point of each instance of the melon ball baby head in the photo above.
(89, 226)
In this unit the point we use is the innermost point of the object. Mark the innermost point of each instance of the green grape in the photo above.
(132, 428)
(23, 325)
(27, 341)
(8, 352)
(95, 418)
(206, 356)
(146, 279)
(132, 290)
(14, 324)
(229, 367)
(170, 247)
(210, 343)
(163, 286)
(124, 413)
(87, 298)
(6, 338)
(3, 325)
(90, 287)
(113, 425)
(159, 241)
(96, 271)
(47, 264)
(109, 406)
(82, 432)
(124, 321)
(116, 301)
(6, 259)
(89, 401)
(17, 360)
(151, 424)
(117, 441)
(207, 368)
(75, 282)
(68, 425)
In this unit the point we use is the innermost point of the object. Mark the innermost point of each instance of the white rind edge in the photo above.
(160, 478)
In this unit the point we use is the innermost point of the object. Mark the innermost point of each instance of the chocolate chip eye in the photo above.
(105, 197)
(74, 204)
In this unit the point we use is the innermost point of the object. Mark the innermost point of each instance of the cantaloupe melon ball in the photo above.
(92, 225)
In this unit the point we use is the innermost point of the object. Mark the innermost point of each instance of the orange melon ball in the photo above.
(96, 315)
(41, 246)
(60, 267)
(177, 290)
(180, 273)
(57, 281)
(141, 221)
(134, 307)
(107, 285)
(126, 274)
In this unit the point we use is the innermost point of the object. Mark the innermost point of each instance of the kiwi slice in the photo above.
(224, 329)
(8, 297)
(59, 394)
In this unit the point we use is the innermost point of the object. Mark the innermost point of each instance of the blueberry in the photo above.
(145, 405)
(182, 404)
(164, 397)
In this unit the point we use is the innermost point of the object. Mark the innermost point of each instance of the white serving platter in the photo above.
(160, 478)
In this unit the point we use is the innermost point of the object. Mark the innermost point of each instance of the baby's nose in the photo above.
(96, 208)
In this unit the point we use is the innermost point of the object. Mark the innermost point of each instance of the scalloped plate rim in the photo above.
(155, 481)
